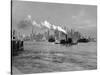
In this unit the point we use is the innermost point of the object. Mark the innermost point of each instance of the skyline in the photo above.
(79, 17)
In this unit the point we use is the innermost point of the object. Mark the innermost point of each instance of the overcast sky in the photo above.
(80, 17)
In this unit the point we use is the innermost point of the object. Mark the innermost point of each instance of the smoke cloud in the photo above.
(45, 24)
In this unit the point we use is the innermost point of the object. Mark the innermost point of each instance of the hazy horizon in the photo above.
(79, 17)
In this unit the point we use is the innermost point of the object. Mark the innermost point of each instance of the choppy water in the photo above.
(48, 57)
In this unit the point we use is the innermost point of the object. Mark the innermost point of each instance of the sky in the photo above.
(79, 17)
